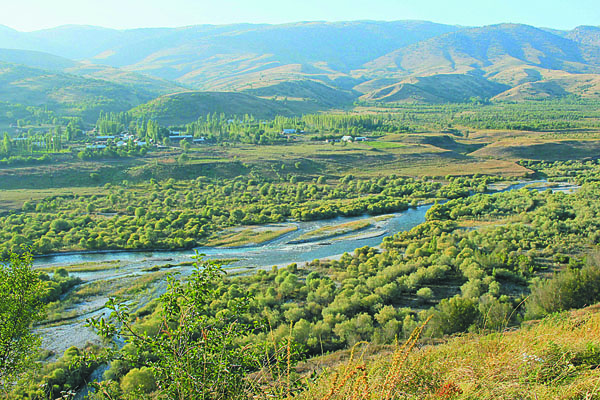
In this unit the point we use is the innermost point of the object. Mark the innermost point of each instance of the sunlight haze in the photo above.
(30, 15)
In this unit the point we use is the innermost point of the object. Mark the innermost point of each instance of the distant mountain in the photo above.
(589, 35)
(489, 50)
(150, 86)
(214, 57)
(36, 59)
(325, 65)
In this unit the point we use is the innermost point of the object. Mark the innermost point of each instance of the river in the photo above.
(277, 252)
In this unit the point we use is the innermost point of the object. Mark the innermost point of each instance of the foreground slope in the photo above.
(556, 358)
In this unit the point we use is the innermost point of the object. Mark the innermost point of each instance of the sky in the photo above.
(29, 15)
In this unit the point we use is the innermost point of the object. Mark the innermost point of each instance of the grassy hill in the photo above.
(556, 358)
(185, 107)
(65, 93)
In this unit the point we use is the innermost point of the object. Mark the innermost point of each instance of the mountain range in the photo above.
(314, 64)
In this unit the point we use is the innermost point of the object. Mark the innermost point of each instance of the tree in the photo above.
(195, 353)
(6, 144)
(21, 293)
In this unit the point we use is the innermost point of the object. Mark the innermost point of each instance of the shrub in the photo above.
(571, 288)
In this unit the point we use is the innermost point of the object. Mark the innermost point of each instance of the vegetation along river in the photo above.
(285, 249)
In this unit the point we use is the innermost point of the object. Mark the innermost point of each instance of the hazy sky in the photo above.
(28, 15)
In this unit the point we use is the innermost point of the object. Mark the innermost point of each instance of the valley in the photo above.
(327, 210)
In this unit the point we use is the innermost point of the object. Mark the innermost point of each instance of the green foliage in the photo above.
(183, 214)
(21, 292)
(569, 289)
(138, 380)
(63, 377)
(194, 351)
(454, 315)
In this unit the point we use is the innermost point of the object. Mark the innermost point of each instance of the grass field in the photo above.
(431, 153)
(12, 199)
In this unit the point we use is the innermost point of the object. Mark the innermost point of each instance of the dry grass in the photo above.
(245, 236)
(335, 230)
(556, 358)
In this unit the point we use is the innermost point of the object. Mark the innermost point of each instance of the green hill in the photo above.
(185, 107)
(66, 93)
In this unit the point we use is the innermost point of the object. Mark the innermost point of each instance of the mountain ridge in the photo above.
(326, 64)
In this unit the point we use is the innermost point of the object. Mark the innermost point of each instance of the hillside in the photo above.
(186, 107)
(442, 88)
(589, 35)
(327, 64)
(71, 94)
(47, 61)
(490, 49)
(199, 55)
(307, 90)
(556, 358)
(36, 59)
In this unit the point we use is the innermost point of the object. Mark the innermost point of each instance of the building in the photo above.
(288, 131)
(360, 139)
(347, 138)
(180, 137)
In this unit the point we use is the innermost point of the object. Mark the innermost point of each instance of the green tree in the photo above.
(21, 292)
(194, 350)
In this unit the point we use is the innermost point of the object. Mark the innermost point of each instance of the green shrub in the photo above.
(138, 380)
